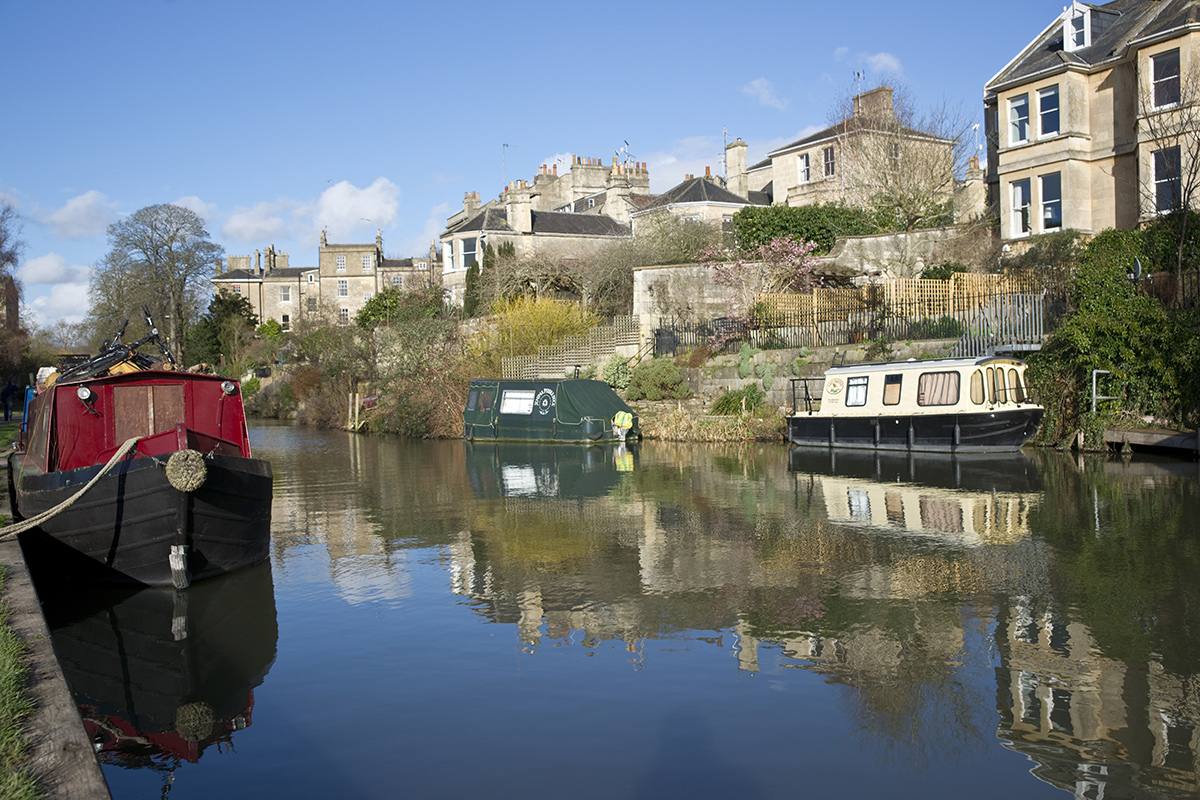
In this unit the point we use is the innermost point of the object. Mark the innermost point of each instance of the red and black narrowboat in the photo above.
(184, 501)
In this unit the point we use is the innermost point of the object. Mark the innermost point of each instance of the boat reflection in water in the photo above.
(965, 499)
(519, 469)
(161, 675)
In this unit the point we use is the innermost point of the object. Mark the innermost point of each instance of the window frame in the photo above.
(1053, 203)
(340, 263)
(1172, 183)
(829, 162)
(1018, 124)
(1043, 94)
(285, 294)
(1168, 82)
(368, 263)
(803, 168)
(1022, 222)
(923, 389)
(892, 398)
(856, 391)
(343, 288)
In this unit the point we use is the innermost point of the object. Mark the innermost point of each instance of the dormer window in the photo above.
(1083, 25)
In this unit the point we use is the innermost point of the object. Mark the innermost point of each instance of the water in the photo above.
(442, 619)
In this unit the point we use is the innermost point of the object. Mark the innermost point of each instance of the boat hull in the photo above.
(983, 432)
(124, 528)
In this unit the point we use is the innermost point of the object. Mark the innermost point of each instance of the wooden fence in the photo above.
(558, 361)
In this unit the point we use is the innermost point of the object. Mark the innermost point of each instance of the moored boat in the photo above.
(130, 472)
(574, 410)
(955, 405)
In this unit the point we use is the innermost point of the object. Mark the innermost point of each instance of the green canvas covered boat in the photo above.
(575, 410)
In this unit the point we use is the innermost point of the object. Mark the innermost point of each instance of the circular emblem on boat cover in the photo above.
(835, 386)
(544, 401)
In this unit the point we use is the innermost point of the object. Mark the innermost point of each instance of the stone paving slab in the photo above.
(61, 755)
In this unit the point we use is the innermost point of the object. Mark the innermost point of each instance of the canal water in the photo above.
(442, 619)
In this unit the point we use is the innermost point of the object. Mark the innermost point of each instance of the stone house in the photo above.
(701, 200)
(346, 277)
(843, 162)
(1076, 121)
(560, 217)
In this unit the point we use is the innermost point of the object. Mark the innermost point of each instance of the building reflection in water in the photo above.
(163, 676)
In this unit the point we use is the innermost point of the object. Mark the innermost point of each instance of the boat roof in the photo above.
(923, 365)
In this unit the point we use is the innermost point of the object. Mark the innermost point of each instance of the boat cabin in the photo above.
(575, 410)
(941, 404)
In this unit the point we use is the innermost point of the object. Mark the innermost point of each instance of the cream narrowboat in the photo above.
(953, 405)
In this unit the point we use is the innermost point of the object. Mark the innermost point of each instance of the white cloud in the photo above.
(202, 209)
(66, 301)
(884, 63)
(879, 64)
(418, 245)
(764, 92)
(88, 214)
(262, 222)
(51, 269)
(344, 209)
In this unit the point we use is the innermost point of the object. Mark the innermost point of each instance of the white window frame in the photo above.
(803, 168)
(366, 262)
(1077, 33)
(422, 265)
(367, 295)
(829, 160)
(237, 289)
(1051, 190)
(1018, 124)
(1043, 95)
(1159, 161)
(285, 322)
(285, 294)
(1022, 224)
(343, 288)
(341, 263)
(398, 281)
(1167, 84)
(312, 278)
(343, 316)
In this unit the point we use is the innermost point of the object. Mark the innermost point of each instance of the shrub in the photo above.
(656, 379)
(250, 387)
(696, 357)
(735, 401)
(616, 372)
(523, 324)
(941, 328)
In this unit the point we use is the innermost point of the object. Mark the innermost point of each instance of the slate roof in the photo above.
(280, 273)
(859, 122)
(1132, 20)
(698, 191)
(487, 219)
(577, 224)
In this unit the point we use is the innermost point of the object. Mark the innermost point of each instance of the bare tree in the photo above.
(12, 337)
(160, 256)
(1169, 128)
(900, 158)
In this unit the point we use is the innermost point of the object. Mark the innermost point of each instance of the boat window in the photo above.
(937, 389)
(977, 387)
(1014, 386)
(1000, 394)
(485, 399)
(991, 385)
(891, 389)
(472, 399)
(856, 392)
(516, 401)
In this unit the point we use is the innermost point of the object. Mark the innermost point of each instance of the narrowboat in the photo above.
(952, 405)
(570, 410)
(128, 471)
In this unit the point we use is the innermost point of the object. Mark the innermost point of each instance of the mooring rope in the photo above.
(33, 522)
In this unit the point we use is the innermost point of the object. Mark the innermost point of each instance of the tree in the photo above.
(781, 265)
(899, 159)
(223, 330)
(159, 256)
(11, 245)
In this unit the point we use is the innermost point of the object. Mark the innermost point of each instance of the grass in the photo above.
(15, 707)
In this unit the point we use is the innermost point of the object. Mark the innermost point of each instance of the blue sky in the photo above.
(274, 120)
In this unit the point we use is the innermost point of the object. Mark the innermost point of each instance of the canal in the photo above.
(441, 619)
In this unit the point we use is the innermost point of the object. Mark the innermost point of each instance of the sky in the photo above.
(274, 120)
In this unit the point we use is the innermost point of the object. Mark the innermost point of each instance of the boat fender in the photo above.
(186, 471)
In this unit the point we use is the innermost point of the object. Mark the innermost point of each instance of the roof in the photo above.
(696, 191)
(487, 219)
(859, 123)
(922, 365)
(279, 273)
(1130, 20)
(577, 224)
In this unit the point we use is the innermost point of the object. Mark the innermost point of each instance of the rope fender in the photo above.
(33, 522)
(186, 470)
